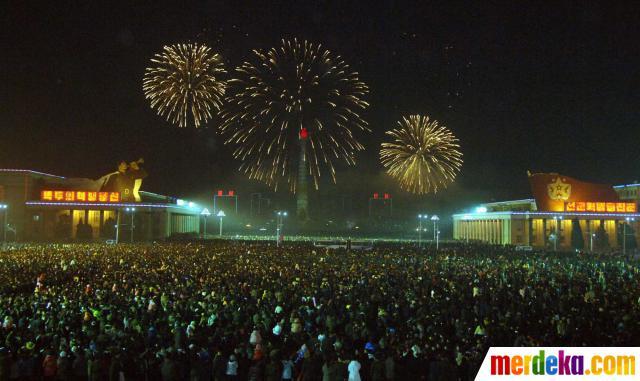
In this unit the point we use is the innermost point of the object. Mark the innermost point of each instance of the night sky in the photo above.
(545, 86)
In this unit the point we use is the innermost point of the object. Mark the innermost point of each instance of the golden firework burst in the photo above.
(422, 156)
(297, 91)
(185, 83)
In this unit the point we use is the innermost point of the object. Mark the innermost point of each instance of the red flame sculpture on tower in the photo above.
(303, 134)
(302, 200)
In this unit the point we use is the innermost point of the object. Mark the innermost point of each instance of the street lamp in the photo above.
(281, 214)
(221, 214)
(592, 237)
(435, 220)
(436, 232)
(624, 235)
(420, 218)
(132, 210)
(118, 213)
(205, 213)
(558, 220)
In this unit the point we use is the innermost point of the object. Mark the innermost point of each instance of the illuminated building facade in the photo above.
(45, 207)
(561, 207)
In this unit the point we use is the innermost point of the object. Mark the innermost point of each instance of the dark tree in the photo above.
(601, 240)
(577, 240)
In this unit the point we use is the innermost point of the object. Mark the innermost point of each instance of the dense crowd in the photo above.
(252, 311)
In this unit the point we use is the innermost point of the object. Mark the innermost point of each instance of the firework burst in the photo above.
(185, 83)
(422, 156)
(297, 92)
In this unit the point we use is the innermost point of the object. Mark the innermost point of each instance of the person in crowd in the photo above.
(232, 368)
(354, 369)
(287, 370)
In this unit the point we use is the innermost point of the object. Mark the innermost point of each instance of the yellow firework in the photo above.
(185, 83)
(422, 156)
(297, 92)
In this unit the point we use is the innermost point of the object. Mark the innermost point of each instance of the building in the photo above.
(561, 207)
(628, 192)
(46, 207)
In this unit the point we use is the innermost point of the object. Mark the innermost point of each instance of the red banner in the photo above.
(552, 191)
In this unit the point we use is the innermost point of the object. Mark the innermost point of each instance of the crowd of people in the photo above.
(254, 311)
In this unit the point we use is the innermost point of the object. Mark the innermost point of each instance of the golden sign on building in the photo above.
(79, 196)
(600, 207)
(559, 189)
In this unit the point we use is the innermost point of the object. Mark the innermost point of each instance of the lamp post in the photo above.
(132, 210)
(624, 235)
(280, 215)
(221, 214)
(118, 225)
(591, 237)
(420, 218)
(205, 213)
(438, 240)
(435, 220)
(558, 220)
